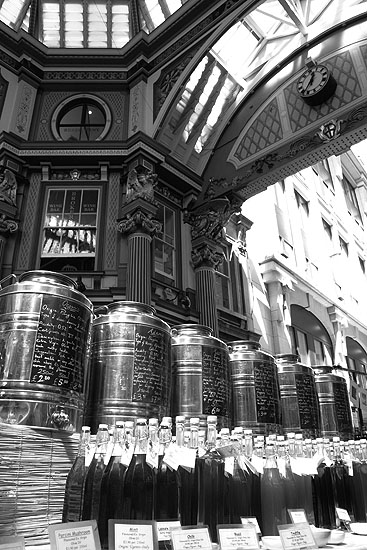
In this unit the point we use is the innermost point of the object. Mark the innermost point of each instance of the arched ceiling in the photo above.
(228, 108)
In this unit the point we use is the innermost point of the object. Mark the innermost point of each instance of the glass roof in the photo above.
(270, 32)
(86, 23)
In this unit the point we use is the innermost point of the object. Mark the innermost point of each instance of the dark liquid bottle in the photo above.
(273, 503)
(289, 482)
(139, 480)
(74, 482)
(188, 477)
(112, 485)
(167, 490)
(359, 481)
(211, 484)
(341, 480)
(93, 479)
(323, 492)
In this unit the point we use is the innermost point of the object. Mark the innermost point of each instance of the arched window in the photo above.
(310, 338)
(357, 362)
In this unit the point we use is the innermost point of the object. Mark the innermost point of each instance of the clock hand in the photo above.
(311, 80)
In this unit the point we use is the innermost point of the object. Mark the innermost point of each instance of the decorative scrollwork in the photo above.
(139, 221)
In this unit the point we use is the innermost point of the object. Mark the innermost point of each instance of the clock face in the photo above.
(313, 80)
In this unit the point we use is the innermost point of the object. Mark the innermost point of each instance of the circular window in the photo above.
(81, 118)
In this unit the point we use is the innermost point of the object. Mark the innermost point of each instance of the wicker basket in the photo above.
(34, 464)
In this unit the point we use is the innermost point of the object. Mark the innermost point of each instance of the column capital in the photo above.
(138, 216)
(206, 253)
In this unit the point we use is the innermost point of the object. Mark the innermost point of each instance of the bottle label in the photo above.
(152, 454)
(229, 465)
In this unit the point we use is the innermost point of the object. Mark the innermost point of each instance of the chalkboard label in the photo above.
(151, 382)
(267, 393)
(307, 402)
(60, 346)
(215, 381)
(342, 408)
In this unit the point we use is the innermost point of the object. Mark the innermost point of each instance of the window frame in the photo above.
(170, 280)
(65, 187)
(73, 100)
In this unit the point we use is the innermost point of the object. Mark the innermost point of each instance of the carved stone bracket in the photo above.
(206, 255)
(7, 224)
(209, 219)
(139, 217)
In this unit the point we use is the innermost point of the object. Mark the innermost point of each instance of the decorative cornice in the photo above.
(85, 75)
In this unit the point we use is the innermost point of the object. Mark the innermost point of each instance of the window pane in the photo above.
(63, 233)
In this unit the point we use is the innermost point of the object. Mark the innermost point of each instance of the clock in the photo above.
(316, 84)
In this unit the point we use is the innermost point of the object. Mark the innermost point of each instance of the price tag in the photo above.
(343, 514)
(187, 457)
(139, 534)
(164, 529)
(252, 521)
(258, 463)
(298, 516)
(80, 535)
(191, 539)
(296, 536)
(233, 537)
(12, 543)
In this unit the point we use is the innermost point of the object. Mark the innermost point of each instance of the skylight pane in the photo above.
(74, 25)
(51, 24)
(155, 12)
(173, 5)
(9, 11)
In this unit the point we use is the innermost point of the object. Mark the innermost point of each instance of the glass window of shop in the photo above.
(357, 362)
(69, 236)
(165, 244)
(310, 340)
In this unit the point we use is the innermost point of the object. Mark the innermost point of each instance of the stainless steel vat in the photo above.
(255, 388)
(298, 396)
(335, 410)
(45, 327)
(200, 371)
(130, 364)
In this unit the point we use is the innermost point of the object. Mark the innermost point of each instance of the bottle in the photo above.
(112, 485)
(341, 479)
(93, 479)
(249, 451)
(303, 479)
(167, 489)
(74, 482)
(188, 476)
(139, 480)
(211, 482)
(323, 493)
(239, 486)
(273, 503)
(359, 485)
(289, 484)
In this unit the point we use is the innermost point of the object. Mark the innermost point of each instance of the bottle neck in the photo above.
(165, 438)
(141, 439)
(180, 435)
(211, 436)
(83, 442)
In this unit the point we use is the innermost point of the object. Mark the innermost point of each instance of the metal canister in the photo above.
(45, 325)
(255, 388)
(130, 364)
(200, 370)
(298, 396)
(335, 410)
